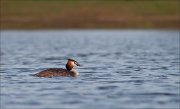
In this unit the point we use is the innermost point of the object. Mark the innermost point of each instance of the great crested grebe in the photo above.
(69, 71)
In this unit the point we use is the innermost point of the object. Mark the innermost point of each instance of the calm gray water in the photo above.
(135, 69)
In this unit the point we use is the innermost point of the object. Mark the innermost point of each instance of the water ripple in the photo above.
(120, 69)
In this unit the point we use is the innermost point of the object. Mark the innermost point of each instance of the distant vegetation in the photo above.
(63, 14)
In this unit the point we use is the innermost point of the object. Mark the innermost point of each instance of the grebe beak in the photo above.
(77, 64)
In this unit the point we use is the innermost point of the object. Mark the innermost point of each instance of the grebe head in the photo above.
(71, 63)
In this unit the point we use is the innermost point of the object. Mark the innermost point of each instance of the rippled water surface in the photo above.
(121, 69)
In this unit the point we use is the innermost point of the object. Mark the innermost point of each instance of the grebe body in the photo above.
(69, 71)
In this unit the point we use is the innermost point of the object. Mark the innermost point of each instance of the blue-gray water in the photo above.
(121, 69)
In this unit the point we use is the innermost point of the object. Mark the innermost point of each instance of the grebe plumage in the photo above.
(69, 71)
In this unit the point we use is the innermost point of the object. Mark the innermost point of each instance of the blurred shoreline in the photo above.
(57, 14)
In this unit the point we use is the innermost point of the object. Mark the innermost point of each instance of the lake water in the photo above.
(133, 69)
